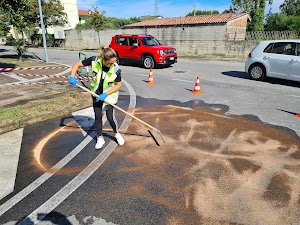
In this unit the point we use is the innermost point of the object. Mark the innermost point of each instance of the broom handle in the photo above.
(134, 117)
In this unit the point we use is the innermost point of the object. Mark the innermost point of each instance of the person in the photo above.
(106, 83)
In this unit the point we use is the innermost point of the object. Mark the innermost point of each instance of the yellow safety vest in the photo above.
(109, 79)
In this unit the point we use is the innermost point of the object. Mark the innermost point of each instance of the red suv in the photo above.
(143, 48)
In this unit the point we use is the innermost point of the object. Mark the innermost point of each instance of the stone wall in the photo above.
(193, 39)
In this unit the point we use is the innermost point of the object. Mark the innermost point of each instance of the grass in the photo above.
(38, 102)
(185, 54)
(14, 117)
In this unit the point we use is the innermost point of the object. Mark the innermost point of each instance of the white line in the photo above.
(39, 181)
(14, 76)
(67, 190)
(143, 75)
(35, 184)
(10, 145)
(189, 81)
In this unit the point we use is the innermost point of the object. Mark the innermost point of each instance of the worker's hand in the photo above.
(73, 80)
(102, 97)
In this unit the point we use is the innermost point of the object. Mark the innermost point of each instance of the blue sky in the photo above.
(166, 8)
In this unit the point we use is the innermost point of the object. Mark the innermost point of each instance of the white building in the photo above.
(71, 9)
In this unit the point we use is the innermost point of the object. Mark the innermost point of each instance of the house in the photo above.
(71, 9)
(231, 26)
(216, 34)
(83, 15)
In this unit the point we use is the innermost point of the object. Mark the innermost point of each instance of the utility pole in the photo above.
(43, 31)
(194, 9)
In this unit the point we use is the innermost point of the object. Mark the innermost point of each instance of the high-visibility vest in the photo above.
(109, 79)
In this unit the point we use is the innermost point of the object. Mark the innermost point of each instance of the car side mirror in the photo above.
(135, 44)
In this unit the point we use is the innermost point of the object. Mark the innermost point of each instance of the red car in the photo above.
(144, 49)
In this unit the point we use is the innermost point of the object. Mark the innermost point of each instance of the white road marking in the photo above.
(189, 81)
(67, 190)
(10, 145)
(39, 181)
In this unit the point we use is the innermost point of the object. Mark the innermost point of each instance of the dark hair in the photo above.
(107, 53)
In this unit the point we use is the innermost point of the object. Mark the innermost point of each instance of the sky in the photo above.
(166, 8)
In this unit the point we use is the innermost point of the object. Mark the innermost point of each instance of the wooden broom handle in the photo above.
(95, 95)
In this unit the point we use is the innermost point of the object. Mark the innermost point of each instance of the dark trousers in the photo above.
(110, 115)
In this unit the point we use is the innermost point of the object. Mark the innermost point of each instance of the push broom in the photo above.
(127, 113)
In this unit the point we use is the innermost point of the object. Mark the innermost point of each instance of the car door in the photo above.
(122, 47)
(280, 59)
(134, 51)
(295, 65)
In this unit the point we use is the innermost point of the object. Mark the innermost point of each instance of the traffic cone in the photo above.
(297, 115)
(150, 78)
(197, 87)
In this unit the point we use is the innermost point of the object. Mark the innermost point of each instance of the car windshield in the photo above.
(150, 41)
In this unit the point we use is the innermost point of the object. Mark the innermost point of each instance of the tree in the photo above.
(4, 29)
(97, 20)
(290, 7)
(282, 22)
(20, 14)
(203, 12)
(256, 10)
(53, 13)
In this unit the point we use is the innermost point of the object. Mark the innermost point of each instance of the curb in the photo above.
(213, 59)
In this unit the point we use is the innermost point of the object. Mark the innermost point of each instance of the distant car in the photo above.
(144, 49)
(276, 58)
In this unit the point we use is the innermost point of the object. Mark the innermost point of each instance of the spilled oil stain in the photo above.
(214, 168)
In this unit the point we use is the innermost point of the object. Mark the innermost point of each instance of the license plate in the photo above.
(171, 58)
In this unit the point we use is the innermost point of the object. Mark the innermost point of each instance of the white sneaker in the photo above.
(120, 139)
(100, 143)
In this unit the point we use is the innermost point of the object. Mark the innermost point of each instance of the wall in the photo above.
(193, 39)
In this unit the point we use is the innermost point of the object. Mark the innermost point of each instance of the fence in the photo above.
(272, 35)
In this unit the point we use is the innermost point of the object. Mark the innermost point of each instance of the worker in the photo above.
(106, 83)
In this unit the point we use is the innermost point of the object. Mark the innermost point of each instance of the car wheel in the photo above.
(148, 62)
(257, 72)
(118, 59)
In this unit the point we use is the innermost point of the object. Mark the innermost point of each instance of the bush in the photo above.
(10, 40)
(20, 48)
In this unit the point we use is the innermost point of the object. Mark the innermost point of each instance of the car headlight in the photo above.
(162, 52)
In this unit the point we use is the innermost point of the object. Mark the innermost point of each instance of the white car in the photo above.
(276, 58)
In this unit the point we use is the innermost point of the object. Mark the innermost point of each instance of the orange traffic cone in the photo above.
(197, 87)
(297, 115)
(150, 78)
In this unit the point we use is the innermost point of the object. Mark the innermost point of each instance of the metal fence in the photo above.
(272, 35)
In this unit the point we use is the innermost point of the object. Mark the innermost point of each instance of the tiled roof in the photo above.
(83, 12)
(190, 20)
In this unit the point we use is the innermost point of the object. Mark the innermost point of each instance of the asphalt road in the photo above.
(231, 154)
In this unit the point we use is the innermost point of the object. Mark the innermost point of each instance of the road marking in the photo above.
(189, 81)
(14, 76)
(67, 190)
(39, 181)
(10, 145)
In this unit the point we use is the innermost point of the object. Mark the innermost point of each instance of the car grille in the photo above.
(169, 52)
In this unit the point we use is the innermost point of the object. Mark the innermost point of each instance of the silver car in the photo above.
(276, 58)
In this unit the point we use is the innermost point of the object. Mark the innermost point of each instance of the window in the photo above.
(121, 41)
(298, 49)
(149, 41)
(286, 48)
(269, 48)
(132, 41)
